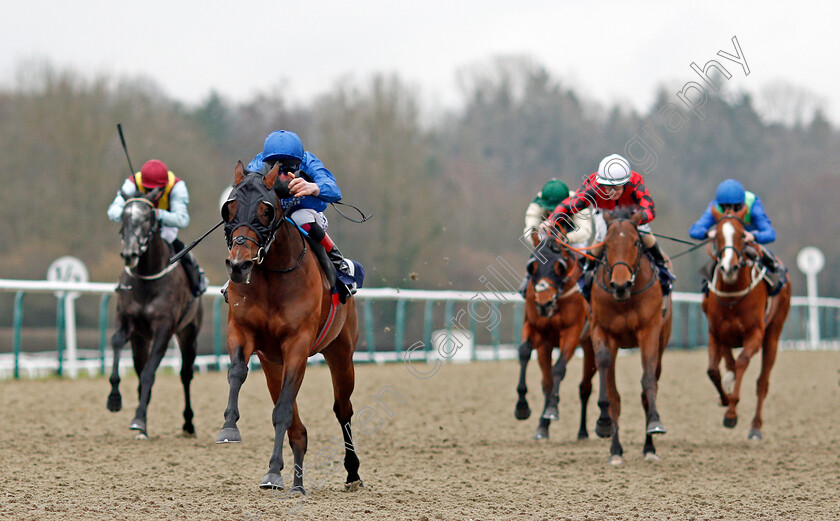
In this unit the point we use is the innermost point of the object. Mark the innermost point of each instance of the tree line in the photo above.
(447, 197)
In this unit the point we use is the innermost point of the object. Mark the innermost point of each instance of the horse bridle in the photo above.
(265, 233)
(559, 281)
(633, 270)
(740, 253)
(143, 241)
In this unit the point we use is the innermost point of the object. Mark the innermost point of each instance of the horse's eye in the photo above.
(267, 214)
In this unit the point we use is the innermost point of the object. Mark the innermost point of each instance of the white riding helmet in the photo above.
(613, 170)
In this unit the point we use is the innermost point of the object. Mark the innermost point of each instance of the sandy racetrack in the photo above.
(452, 450)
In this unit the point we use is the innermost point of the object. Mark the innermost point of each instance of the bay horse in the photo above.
(154, 303)
(740, 313)
(627, 311)
(281, 307)
(555, 315)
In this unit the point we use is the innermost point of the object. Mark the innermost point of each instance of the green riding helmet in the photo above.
(552, 194)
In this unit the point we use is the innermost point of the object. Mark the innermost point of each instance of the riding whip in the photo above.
(175, 258)
(125, 148)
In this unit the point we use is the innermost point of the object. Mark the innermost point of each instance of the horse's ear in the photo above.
(742, 213)
(271, 176)
(238, 173)
(636, 216)
(608, 216)
(154, 194)
(716, 213)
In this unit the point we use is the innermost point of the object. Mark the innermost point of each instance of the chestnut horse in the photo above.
(281, 307)
(154, 302)
(555, 315)
(627, 311)
(738, 313)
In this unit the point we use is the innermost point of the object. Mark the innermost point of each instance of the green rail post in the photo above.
(518, 320)
(474, 333)
(370, 333)
(496, 334)
(428, 321)
(447, 314)
(59, 325)
(399, 327)
(217, 331)
(103, 325)
(18, 324)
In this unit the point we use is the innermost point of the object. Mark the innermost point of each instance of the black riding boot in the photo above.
(706, 272)
(666, 278)
(588, 275)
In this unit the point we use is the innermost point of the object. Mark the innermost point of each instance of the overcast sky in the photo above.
(615, 51)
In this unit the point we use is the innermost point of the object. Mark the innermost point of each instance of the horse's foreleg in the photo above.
(751, 347)
(650, 380)
(522, 410)
(616, 450)
(187, 343)
(589, 371)
(161, 337)
(117, 342)
(294, 366)
(715, 354)
(603, 361)
(544, 350)
(298, 442)
(237, 372)
(343, 376)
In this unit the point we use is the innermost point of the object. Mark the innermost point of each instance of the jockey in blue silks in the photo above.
(731, 195)
(313, 187)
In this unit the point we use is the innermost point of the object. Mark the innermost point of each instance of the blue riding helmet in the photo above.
(282, 144)
(730, 192)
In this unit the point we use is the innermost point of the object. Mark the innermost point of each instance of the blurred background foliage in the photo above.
(447, 191)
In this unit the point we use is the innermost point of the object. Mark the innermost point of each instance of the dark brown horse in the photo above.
(281, 307)
(739, 315)
(555, 315)
(154, 303)
(627, 311)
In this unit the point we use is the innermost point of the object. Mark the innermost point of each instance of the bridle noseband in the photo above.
(143, 242)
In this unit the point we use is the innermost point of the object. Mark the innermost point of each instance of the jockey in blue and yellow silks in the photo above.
(730, 195)
(171, 211)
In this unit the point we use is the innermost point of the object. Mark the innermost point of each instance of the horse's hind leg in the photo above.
(117, 342)
(237, 373)
(340, 362)
(189, 347)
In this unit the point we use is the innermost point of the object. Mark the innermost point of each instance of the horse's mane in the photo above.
(623, 212)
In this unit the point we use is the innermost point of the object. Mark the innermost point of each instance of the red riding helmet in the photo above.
(154, 174)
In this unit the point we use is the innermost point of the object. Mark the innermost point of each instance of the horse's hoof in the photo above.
(114, 403)
(728, 382)
(541, 434)
(137, 425)
(522, 411)
(229, 435)
(656, 427)
(730, 423)
(583, 435)
(187, 434)
(354, 486)
(551, 413)
(603, 429)
(754, 435)
(651, 456)
(272, 480)
(142, 436)
(615, 460)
